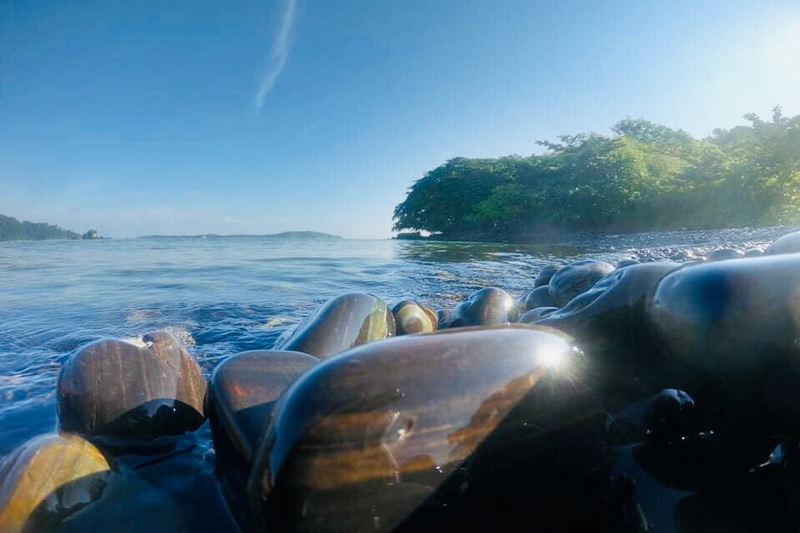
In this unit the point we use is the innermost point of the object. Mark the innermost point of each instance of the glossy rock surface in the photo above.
(733, 327)
(359, 442)
(413, 317)
(486, 307)
(341, 323)
(575, 278)
(112, 388)
(244, 389)
(47, 479)
(610, 317)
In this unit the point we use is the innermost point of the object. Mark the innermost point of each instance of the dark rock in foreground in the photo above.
(366, 438)
(116, 389)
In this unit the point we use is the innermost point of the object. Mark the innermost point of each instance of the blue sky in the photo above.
(187, 117)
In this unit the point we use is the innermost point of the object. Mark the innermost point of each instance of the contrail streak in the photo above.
(280, 52)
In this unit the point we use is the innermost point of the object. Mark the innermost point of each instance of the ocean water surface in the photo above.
(225, 295)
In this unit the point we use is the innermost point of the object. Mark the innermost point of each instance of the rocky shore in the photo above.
(655, 394)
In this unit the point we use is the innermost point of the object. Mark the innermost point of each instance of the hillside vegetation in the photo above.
(643, 176)
(12, 229)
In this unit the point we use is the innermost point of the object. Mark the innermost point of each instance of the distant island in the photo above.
(641, 177)
(300, 235)
(12, 229)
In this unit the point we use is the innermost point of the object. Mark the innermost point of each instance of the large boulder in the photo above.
(339, 324)
(730, 330)
(116, 389)
(369, 437)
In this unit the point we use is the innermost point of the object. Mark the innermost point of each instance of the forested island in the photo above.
(12, 229)
(642, 177)
(284, 235)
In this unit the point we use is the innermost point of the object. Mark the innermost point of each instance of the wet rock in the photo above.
(341, 323)
(486, 307)
(544, 276)
(725, 253)
(47, 479)
(532, 315)
(244, 389)
(732, 329)
(365, 438)
(575, 278)
(115, 389)
(413, 317)
(610, 320)
(538, 297)
(788, 244)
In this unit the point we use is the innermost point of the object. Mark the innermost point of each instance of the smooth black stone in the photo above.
(670, 415)
(788, 244)
(576, 278)
(544, 276)
(731, 328)
(538, 297)
(486, 307)
(532, 315)
(609, 321)
(339, 324)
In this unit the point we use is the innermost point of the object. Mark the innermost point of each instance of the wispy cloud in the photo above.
(278, 56)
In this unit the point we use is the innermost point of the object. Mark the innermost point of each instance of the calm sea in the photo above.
(226, 295)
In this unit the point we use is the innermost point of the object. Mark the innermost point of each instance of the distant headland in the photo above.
(305, 235)
(12, 229)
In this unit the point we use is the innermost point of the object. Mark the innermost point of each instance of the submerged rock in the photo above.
(341, 323)
(365, 438)
(413, 317)
(576, 278)
(486, 307)
(115, 389)
(47, 479)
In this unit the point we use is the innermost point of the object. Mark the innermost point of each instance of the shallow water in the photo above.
(226, 295)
